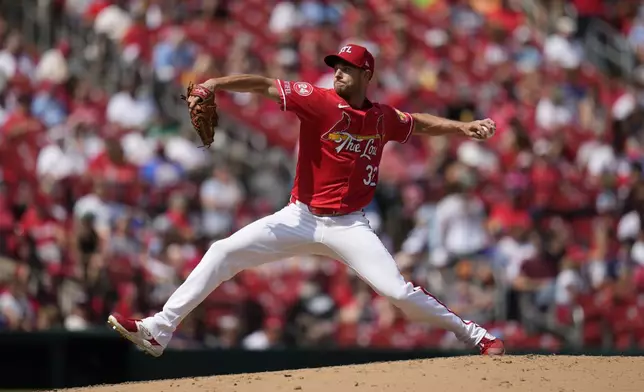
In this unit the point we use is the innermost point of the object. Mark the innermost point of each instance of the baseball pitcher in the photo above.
(342, 135)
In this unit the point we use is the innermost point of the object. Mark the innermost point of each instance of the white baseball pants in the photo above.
(294, 230)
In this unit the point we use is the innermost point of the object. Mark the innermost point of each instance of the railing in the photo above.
(537, 15)
(607, 49)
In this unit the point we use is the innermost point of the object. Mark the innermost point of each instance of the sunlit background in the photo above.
(107, 203)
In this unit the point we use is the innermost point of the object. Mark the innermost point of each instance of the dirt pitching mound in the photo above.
(455, 374)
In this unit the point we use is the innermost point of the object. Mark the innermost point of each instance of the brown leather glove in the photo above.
(203, 112)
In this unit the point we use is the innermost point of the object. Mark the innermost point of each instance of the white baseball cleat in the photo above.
(134, 331)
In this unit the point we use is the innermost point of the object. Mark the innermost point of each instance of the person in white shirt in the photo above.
(220, 195)
(560, 49)
(285, 17)
(460, 226)
(265, 338)
(130, 110)
(13, 60)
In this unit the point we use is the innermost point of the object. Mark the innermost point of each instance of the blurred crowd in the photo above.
(107, 202)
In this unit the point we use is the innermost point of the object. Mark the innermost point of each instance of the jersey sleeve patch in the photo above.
(303, 88)
(301, 98)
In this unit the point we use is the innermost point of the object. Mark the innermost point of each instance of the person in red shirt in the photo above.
(119, 174)
(21, 138)
(342, 135)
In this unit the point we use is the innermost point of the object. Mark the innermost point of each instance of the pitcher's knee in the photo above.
(397, 295)
(220, 246)
(222, 253)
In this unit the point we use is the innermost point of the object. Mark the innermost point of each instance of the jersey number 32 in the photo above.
(372, 173)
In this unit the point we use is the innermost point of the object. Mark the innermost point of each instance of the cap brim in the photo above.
(333, 59)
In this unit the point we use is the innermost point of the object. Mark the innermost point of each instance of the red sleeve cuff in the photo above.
(280, 88)
(411, 128)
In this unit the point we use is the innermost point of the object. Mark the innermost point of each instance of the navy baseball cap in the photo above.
(355, 55)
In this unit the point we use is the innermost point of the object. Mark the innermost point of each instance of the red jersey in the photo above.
(340, 147)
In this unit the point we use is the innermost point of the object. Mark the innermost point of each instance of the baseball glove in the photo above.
(203, 114)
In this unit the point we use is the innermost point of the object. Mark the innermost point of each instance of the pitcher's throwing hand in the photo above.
(342, 135)
(481, 129)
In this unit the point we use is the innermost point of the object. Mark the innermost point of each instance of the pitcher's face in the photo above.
(349, 80)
